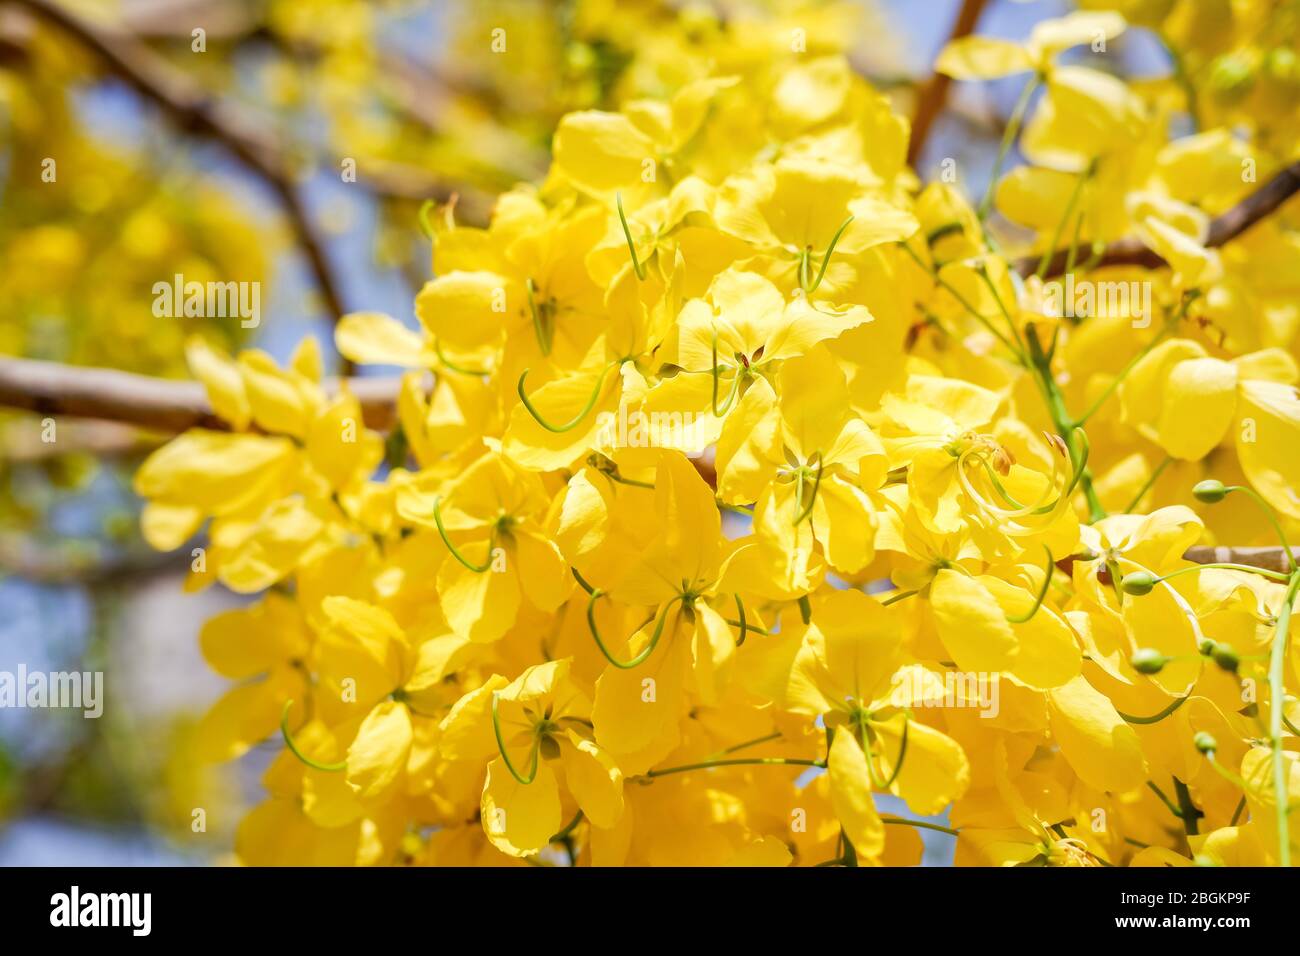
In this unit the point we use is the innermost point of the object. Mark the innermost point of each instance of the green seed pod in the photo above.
(1233, 74)
(1211, 491)
(1205, 742)
(1148, 660)
(1138, 583)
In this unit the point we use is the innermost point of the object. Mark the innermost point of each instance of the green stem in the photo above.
(1065, 425)
(1272, 519)
(736, 762)
(1148, 485)
(983, 271)
(1275, 575)
(1188, 810)
(1277, 699)
(568, 829)
(1050, 251)
(1123, 373)
(774, 735)
(1164, 799)
(902, 821)
(1008, 137)
(897, 597)
(961, 300)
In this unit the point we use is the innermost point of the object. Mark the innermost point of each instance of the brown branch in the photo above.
(164, 405)
(1270, 559)
(935, 93)
(22, 441)
(1223, 228)
(168, 406)
(194, 111)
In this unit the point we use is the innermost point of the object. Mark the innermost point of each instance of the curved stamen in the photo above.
(740, 612)
(582, 582)
(425, 225)
(825, 260)
(293, 747)
(442, 532)
(501, 745)
(1157, 717)
(902, 753)
(448, 363)
(646, 651)
(1085, 449)
(804, 512)
(716, 372)
(1042, 592)
(577, 419)
(544, 335)
(637, 266)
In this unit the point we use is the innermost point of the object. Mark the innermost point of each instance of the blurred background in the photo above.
(215, 138)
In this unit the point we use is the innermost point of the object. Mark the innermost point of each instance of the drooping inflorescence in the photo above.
(755, 482)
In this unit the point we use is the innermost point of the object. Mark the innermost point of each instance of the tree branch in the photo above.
(164, 405)
(189, 106)
(935, 93)
(1223, 228)
(1270, 559)
(171, 407)
(194, 111)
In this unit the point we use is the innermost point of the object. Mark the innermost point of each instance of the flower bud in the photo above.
(1211, 491)
(1206, 647)
(1226, 657)
(1148, 660)
(1205, 743)
(1138, 583)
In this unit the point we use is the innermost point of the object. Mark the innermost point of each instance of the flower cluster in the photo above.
(850, 534)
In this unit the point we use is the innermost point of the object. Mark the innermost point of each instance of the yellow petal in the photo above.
(480, 606)
(277, 401)
(214, 471)
(851, 797)
(1103, 750)
(378, 753)
(982, 58)
(466, 731)
(1268, 442)
(594, 780)
(373, 338)
(520, 819)
(934, 771)
(220, 376)
(601, 152)
(972, 626)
